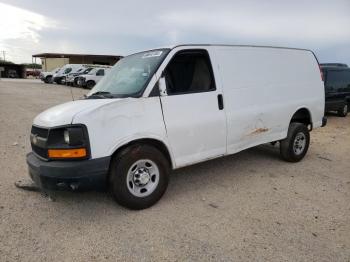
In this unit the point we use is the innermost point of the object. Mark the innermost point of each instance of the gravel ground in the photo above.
(247, 207)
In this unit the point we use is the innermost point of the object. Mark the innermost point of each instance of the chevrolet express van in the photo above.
(168, 108)
(60, 76)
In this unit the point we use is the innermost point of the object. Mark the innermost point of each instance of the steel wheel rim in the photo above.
(142, 178)
(299, 143)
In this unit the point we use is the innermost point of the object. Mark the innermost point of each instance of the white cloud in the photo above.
(121, 27)
(318, 26)
(20, 26)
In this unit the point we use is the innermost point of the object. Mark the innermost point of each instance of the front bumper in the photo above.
(69, 175)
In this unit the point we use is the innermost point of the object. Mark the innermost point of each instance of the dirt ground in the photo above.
(251, 206)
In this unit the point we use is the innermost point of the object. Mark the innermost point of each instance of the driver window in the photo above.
(189, 72)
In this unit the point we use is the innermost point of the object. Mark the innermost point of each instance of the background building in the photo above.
(10, 70)
(51, 61)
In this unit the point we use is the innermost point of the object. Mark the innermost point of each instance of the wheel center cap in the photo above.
(144, 178)
(141, 177)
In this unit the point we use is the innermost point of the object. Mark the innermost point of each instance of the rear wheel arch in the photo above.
(302, 115)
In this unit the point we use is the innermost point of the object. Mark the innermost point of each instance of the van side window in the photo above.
(189, 72)
(100, 72)
(338, 80)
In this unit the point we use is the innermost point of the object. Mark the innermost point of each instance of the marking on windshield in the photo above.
(152, 54)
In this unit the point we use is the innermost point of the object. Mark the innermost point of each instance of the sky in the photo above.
(123, 27)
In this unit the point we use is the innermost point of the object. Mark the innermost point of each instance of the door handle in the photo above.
(220, 102)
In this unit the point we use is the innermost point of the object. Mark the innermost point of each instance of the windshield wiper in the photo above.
(100, 94)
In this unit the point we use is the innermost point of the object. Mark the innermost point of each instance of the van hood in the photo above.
(64, 114)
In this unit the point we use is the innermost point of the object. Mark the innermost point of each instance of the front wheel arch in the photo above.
(148, 141)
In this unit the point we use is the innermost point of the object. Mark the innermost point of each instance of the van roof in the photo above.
(195, 45)
(260, 46)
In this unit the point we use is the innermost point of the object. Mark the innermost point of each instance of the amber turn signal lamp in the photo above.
(67, 153)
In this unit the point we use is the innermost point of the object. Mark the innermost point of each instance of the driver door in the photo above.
(193, 108)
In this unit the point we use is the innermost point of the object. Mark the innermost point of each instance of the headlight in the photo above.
(66, 136)
(71, 142)
(73, 136)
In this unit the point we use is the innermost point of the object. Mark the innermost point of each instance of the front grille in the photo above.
(39, 148)
(41, 132)
(42, 152)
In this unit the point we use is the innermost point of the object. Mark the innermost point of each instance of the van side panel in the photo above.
(263, 87)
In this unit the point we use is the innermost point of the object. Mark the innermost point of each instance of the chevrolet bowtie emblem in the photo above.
(35, 139)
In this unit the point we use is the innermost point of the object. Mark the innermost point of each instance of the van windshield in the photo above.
(130, 76)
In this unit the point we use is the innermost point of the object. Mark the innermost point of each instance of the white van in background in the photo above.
(90, 79)
(72, 78)
(47, 77)
(59, 77)
(168, 108)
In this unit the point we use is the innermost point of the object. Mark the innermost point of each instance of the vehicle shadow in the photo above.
(221, 171)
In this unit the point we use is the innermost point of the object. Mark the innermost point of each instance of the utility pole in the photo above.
(3, 53)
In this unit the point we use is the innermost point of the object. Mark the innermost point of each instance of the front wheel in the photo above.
(139, 176)
(48, 79)
(343, 111)
(295, 146)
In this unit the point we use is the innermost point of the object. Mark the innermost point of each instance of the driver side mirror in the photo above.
(162, 86)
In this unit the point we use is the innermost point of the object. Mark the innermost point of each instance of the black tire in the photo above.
(90, 84)
(287, 147)
(343, 112)
(120, 166)
(48, 79)
(75, 83)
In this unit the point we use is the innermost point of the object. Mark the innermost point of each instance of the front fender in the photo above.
(122, 121)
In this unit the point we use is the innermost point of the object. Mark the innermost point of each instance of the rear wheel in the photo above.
(90, 84)
(139, 176)
(343, 111)
(295, 146)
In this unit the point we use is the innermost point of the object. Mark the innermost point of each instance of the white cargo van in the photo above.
(90, 79)
(47, 77)
(168, 108)
(60, 76)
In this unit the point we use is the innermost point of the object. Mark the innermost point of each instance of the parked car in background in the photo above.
(337, 87)
(168, 108)
(61, 75)
(47, 77)
(30, 72)
(72, 78)
(93, 77)
(12, 73)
